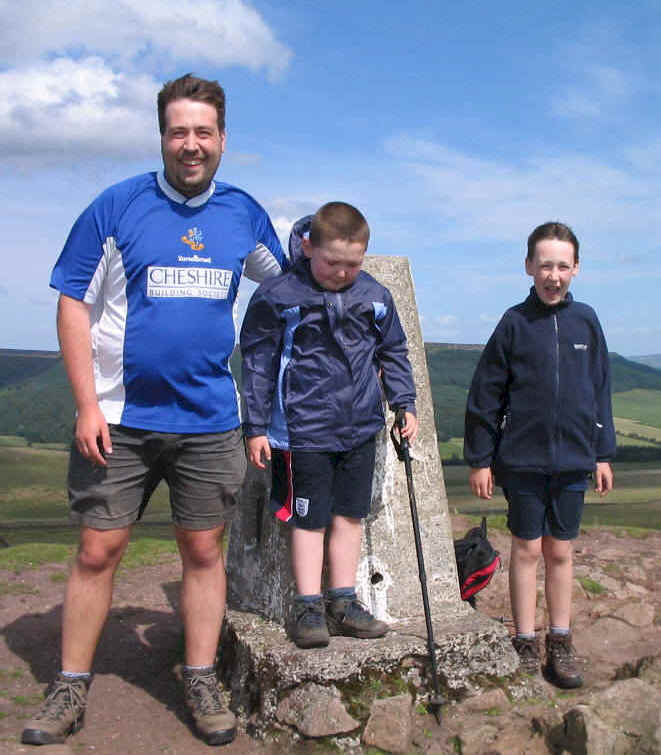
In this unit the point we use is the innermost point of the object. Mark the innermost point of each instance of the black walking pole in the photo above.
(403, 454)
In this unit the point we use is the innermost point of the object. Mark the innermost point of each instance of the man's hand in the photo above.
(259, 450)
(480, 480)
(92, 435)
(603, 478)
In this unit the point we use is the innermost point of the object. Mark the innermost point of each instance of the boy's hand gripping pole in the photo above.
(403, 454)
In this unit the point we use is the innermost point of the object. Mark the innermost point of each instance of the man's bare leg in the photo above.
(89, 594)
(203, 592)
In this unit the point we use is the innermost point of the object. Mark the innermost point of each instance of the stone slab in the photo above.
(259, 574)
(259, 665)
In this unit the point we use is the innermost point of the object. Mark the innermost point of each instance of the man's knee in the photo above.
(200, 550)
(100, 550)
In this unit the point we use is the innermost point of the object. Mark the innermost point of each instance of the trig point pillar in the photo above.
(259, 575)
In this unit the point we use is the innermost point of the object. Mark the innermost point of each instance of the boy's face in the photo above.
(335, 264)
(552, 268)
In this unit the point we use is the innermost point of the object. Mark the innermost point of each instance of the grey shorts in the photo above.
(203, 471)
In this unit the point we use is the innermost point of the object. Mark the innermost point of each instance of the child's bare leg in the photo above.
(524, 556)
(559, 580)
(307, 557)
(344, 551)
(345, 614)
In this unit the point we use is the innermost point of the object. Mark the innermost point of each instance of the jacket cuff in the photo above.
(250, 431)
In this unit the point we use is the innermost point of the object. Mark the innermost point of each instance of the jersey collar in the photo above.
(175, 196)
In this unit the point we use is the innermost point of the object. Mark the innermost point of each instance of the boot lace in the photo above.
(64, 695)
(203, 694)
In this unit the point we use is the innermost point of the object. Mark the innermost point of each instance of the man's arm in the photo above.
(73, 330)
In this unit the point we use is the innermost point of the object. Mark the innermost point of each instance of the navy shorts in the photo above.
(203, 471)
(310, 487)
(541, 505)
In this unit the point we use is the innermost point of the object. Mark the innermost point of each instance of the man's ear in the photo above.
(529, 267)
(307, 246)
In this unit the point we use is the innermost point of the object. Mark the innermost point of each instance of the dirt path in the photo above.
(135, 704)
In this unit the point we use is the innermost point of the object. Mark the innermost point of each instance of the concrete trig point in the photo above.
(261, 586)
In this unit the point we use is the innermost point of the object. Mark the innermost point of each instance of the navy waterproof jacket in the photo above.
(540, 398)
(311, 361)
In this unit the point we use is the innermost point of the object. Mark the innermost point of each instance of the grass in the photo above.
(634, 504)
(591, 585)
(634, 429)
(639, 404)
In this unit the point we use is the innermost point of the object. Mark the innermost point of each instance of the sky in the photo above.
(455, 127)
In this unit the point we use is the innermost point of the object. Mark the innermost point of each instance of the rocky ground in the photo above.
(135, 704)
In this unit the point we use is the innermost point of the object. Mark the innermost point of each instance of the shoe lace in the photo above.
(310, 614)
(561, 650)
(527, 649)
(63, 695)
(203, 693)
(356, 609)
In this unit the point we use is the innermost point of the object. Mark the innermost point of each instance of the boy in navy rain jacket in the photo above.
(538, 423)
(314, 344)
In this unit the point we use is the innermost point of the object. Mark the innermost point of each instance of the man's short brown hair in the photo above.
(189, 87)
(338, 220)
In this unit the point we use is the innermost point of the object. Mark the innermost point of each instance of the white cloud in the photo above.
(75, 108)
(78, 77)
(200, 32)
(490, 200)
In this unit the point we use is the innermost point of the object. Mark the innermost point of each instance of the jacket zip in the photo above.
(557, 391)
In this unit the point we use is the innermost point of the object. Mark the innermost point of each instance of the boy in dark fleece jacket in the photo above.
(313, 346)
(538, 423)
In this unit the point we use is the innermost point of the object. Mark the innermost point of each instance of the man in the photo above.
(147, 282)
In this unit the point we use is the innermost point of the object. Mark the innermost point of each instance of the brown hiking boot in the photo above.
(309, 628)
(350, 618)
(527, 649)
(62, 713)
(214, 723)
(560, 668)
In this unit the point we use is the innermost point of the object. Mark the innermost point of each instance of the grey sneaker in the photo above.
(309, 629)
(214, 723)
(560, 668)
(62, 713)
(528, 652)
(350, 618)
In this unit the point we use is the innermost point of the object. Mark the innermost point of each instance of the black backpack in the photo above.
(477, 560)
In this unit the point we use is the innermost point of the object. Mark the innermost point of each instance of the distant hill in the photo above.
(17, 366)
(35, 400)
(653, 360)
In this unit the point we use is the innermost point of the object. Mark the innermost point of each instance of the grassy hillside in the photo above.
(18, 366)
(39, 407)
(652, 360)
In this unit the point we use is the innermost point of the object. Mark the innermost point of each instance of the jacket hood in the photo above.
(299, 230)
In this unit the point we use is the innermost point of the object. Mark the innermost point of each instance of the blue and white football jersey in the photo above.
(160, 272)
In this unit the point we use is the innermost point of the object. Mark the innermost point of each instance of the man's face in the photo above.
(552, 269)
(335, 264)
(191, 145)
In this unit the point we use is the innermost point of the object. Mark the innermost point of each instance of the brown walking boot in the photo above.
(214, 723)
(527, 649)
(560, 668)
(62, 713)
(349, 617)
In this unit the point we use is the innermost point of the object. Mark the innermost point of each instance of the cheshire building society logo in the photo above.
(194, 239)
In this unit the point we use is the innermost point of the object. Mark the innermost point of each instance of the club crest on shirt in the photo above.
(194, 239)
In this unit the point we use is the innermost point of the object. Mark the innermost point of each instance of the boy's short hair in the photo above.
(338, 220)
(552, 230)
(189, 87)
